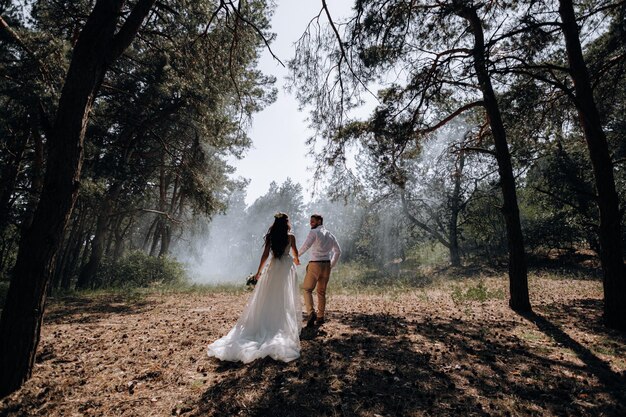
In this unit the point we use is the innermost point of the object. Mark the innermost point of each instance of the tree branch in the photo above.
(343, 51)
(258, 31)
(450, 117)
(477, 149)
(124, 37)
(421, 224)
(41, 67)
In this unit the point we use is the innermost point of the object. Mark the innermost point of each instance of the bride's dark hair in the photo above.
(278, 234)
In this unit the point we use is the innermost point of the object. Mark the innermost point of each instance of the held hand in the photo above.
(296, 261)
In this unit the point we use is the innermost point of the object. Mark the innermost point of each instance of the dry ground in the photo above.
(449, 349)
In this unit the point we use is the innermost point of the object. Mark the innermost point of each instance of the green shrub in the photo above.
(136, 269)
(427, 254)
(478, 292)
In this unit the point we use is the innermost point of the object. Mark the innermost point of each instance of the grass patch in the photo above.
(476, 292)
(425, 255)
(198, 384)
(607, 347)
(351, 278)
(120, 294)
(533, 336)
(130, 294)
(564, 275)
(228, 288)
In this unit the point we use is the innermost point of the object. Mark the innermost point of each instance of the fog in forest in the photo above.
(228, 248)
(370, 224)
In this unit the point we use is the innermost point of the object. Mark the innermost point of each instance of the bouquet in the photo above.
(251, 280)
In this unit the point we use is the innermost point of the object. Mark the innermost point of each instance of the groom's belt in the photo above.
(320, 262)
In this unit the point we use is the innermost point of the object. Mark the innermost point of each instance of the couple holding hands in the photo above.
(271, 321)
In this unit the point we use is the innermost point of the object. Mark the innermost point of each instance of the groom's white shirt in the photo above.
(324, 246)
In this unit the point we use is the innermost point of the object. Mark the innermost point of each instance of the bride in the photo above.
(271, 321)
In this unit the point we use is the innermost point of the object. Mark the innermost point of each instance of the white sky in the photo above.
(279, 132)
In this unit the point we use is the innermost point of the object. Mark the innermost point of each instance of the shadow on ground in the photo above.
(89, 309)
(388, 365)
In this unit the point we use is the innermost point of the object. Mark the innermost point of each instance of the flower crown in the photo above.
(280, 215)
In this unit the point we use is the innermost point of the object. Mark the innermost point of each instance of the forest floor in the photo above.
(450, 348)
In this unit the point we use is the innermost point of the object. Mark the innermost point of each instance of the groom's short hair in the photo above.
(318, 217)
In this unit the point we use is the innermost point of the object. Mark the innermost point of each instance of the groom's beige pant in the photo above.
(317, 273)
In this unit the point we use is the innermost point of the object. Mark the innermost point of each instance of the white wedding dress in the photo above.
(271, 321)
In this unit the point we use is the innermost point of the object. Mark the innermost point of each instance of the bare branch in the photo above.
(343, 51)
(258, 31)
(421, 224)
(451, 116)
(208, 25)
(477, 149)
(147, 210)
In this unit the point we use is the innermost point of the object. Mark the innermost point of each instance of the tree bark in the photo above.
(166, 238)
(455, 209)
(96, 48)
(610, 236)
(163, 227)
(97, 244)
(63, 257)
(518, 275)
(76, 242)
(115, 225)
(120, 233)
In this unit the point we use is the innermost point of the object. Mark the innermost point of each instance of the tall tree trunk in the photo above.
(166, 238)
(77, 240)
(84, 251)
(455, 209)
(518, 274)
(158, 231)
(120, 233)
(168, 227)
(111, 236)
(163, 226)
(62, 257)
(453, 250)
(96, 48)
(97, 244)
(608, 202)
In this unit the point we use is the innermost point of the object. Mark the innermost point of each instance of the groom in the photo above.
(325, 254)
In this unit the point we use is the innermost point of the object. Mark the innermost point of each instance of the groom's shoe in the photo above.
(311, 320)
